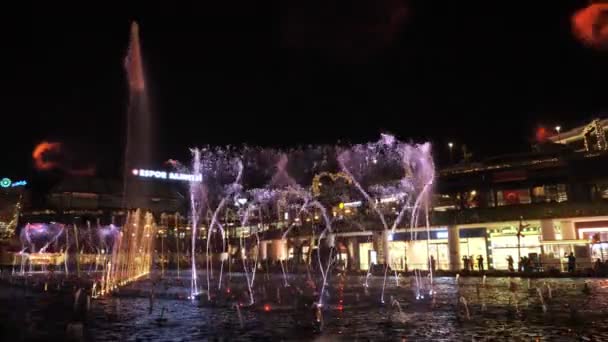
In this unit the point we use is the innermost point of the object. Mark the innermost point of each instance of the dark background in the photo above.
(281, 73)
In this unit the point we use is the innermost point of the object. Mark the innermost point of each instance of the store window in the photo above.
(549, 193)
(599, 251)
(473, 243)
(491, 199)
(504, 244)
(367, 255)
(600, 192)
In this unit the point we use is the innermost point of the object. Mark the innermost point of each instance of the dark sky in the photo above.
(278, 73)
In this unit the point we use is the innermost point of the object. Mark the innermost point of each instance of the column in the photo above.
(380, 241)
(279, 249)
(297, 250)
(386, 240)
(454, 247)
(353, 253)
(547, 230)
(263, 250)
(568, 231)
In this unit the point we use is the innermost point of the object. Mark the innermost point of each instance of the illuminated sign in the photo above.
(7, 183)
(390, 199)
(442, 235)
(167, 175)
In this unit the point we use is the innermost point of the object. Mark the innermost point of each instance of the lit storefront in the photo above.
(596, 233)
(599, 251)
(409, 251)
(546, 243)
(473, 243)
(367, 255)
(504, 243)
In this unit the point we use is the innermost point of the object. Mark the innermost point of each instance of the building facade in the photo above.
(542, 206)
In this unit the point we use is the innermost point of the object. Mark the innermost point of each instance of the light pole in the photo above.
(519, 235)
(558, 128)
(177, 247)
(451, 145)
(162, 254)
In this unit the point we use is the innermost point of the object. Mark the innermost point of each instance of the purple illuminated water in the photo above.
(233, 180)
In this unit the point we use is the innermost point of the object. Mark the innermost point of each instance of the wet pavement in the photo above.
(504, 309)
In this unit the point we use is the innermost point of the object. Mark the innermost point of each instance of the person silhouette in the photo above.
(571, 262)
(480, 263)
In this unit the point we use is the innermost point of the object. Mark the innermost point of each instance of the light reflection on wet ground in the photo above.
(571, 314)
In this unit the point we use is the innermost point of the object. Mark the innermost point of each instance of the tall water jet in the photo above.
(195, 211)
(249, 281)
(139, 142)
(230, 192)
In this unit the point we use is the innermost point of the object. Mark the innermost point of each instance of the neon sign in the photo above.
(167, 175)
(8, 183)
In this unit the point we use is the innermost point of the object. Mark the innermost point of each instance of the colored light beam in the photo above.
(41, 153)
(590, 25)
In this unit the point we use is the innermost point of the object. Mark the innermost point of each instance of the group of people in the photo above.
(600, 267)
(469, 263)
(527, 264)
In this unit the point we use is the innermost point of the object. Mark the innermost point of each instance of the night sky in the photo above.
(281, 73)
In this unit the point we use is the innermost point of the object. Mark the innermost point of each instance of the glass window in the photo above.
(516, 196)
(601, 191)
(549, 193)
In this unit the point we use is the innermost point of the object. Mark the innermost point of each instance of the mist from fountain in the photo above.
(417, 175)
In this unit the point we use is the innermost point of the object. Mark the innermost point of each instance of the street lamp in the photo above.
(519, 235)
(451, 145)
(558, 128)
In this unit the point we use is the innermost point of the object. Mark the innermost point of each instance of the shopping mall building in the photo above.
(542, 205)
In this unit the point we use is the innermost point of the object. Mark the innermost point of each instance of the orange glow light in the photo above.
(590, 25)
(541, 134)
(43, 149)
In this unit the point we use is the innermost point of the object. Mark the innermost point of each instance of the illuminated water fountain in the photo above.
(415, 173)
(131, 257)
(42, 246)
(221, 191)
